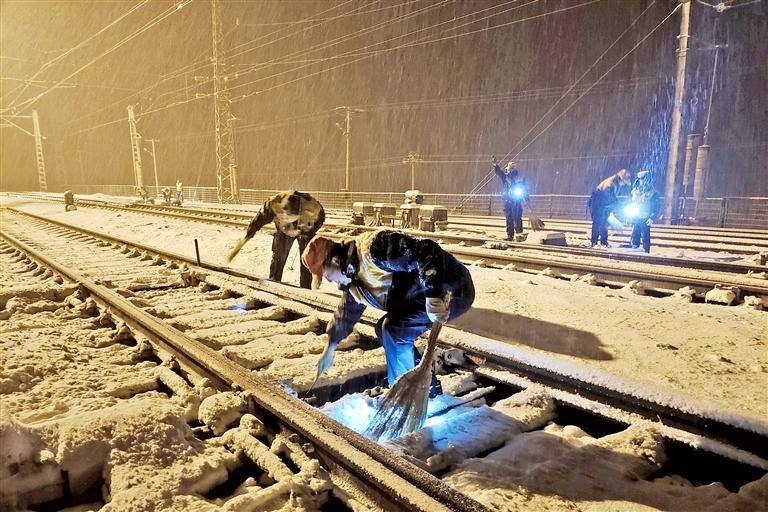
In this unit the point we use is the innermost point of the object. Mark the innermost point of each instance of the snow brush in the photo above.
(404, 407)
(236, 250)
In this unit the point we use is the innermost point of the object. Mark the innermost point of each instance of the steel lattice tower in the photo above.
(226, 168)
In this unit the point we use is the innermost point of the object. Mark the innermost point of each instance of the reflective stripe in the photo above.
(375, 282)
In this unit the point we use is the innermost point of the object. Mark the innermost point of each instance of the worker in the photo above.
(414, 280)
(297, 215)
(643, 211)
(69, 201)
(166, 191)
(142, 192)
(179, 193)
(602, 202)
(515, 195)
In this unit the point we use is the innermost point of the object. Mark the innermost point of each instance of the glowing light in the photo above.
(352, 411)
(241, 308)
(631, 210)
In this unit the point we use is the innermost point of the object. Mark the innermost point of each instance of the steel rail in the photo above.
(736, 433)
(661, 237)
(658, 280)
(241, 217)
(402, 483)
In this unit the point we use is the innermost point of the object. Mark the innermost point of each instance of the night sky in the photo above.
(454, 81)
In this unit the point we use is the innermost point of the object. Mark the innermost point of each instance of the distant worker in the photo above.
(515, 195)
(179, 193)
(69, 201)
(166, 191)
(602, 202)
(142, 193)
(414, 280)
(297, 215)
(644, 209)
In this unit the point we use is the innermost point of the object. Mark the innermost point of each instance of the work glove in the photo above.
(326, 359)
(437, 310)
(649, 222)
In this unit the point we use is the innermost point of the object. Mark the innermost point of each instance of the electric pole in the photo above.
(135, 147)
(154, 162)
(348, 114)
(671, 191)
(35, 134)
(39, 153)
(412, 158)
(227, 189)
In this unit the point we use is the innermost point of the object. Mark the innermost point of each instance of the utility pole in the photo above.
(39, 153)
(412, 158)
(154, 161)
(702, 157)
(135, 147)
(348, 114)
(35, 133)
(227, 189)
(671, 191)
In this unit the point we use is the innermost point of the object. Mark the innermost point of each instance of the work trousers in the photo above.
(404, 322)
(281, 247)
(600, 225)
(641, 230)
(513, 211)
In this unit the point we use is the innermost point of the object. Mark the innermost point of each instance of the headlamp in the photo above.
(517, 191)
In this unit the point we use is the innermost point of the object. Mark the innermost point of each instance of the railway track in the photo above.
(650, 275)
(735, 241)
(744, 242)
(235, 331)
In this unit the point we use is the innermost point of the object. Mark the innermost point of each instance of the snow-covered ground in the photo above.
(707, 351)
(711, 353)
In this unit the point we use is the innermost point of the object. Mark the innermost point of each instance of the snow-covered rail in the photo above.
(729, 283)
(241, 332)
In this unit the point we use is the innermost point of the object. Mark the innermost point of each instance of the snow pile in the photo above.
(720, 295)
(564, 469)
(684, 294)
(635, 286)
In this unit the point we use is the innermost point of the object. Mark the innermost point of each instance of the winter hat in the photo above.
(623, 176)
(314, 255)
(642, 174)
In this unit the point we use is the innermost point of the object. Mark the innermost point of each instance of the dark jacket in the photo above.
(390, 269)
(606, 194)
(294, 213)
(648, 203)
(510, 183)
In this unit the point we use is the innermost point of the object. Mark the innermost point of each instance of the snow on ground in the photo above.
(707, 351)
(71, 398)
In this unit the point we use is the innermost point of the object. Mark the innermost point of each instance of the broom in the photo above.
(236, 250)
(404, 407)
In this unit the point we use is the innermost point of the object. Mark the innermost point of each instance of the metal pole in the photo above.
(711, 94)
(413, 175)
(671, 189)
(135, 149)
(346, 165)
(39, 153)
(154, 164)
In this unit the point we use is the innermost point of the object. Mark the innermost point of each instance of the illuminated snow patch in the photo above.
(356, 411)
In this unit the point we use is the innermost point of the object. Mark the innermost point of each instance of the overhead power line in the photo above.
(79, 45)
(27, 103)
